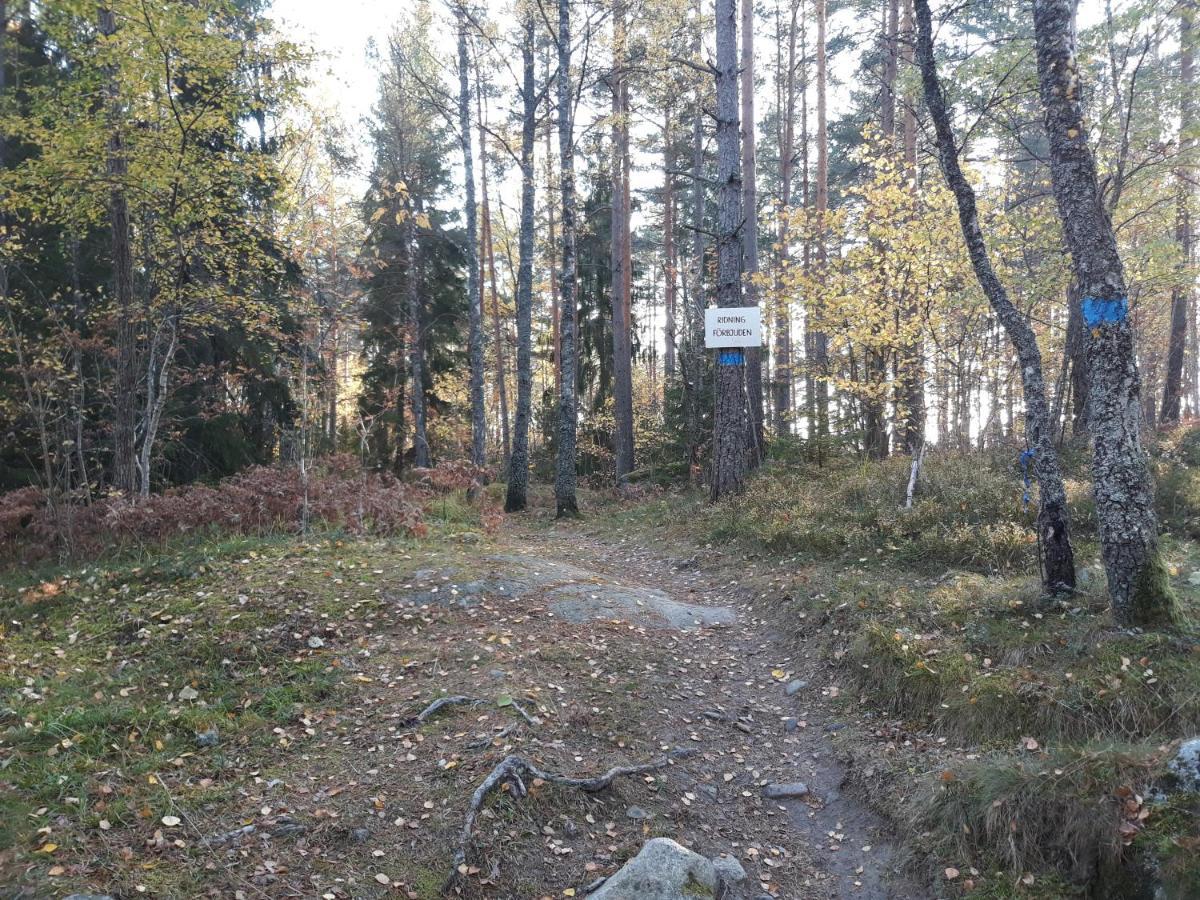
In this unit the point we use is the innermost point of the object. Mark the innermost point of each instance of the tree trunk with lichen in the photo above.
(474, 291)
(1181, 295)
(1053, 522)
(730, 422)
(568, 428)
(518, 475)
(1137, 581)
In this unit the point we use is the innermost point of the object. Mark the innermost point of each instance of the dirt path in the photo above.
(735, 689)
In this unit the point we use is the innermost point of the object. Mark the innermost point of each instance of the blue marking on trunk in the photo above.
(1097, 312)
(731, 358)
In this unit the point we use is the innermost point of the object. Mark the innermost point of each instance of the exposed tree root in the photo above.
(438, 704)
(515, 769)
(492, 738)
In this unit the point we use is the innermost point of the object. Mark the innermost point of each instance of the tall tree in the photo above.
(474, 289)
(670, 249)
(754, 356)
(518, 476)
(488, 244)
(565, 477)
(818, 357)
(730, 420)
(911, 364)
(786, 92)
(622, 263)
(1182, 294)
(1053, 523)
(124, 465)
(416, 345)
(875, 435)
(693, 359)
(1137, 579)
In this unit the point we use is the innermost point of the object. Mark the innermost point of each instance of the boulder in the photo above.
(664, 870)
(1185, 766)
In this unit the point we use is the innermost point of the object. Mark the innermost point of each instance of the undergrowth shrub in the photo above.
(967, 511)
(259, 501)
(1073, 810)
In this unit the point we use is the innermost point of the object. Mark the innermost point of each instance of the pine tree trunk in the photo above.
(730, 421)
(124, 463)
(564, 478)
(1053, 523)
(416, 351)
(1181, 296)
(474, 292)
(620, 252)
(518, 476)
(754, 355)
(670, 253)
(912, 362)
(552, 240)
(819, 363)
(1137, 580)
(693, 360)
(782, 386)
(488, 254)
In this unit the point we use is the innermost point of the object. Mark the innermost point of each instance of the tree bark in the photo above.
(474, 292)
(416, 352)
(518, 476)
(912, 363)
(489, 254)
(782, 384)
(819, 364)
(670, 252)
(1053, 523)
(125, 387)
(1138, 584)
(622, 268)
(565, 478)
(754, 375)
(693, 360)
(731, 399)
(1181, 296)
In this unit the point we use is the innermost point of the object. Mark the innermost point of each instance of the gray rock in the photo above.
(1186, 766)
(785, 791)
(710, 790)
(636, 812)
(795, 686)
(209, 738)
(663, 870)
(360, 835)
(315, 643)
(729, 870)
(790, 725)
(286, 826)
(643, 606)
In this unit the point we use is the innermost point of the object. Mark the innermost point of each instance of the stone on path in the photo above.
(664, 870)
(785, 791)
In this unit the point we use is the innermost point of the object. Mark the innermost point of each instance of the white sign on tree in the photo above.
(732, 326)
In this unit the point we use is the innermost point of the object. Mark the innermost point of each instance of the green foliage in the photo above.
(967, 513)
(1059, 811)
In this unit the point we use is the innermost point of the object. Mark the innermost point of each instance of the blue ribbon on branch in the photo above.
(1097, 312)
(1026, 458)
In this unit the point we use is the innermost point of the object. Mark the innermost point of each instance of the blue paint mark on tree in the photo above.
(1097, 312)
(731, 358)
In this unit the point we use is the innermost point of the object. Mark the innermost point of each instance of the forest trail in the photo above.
(735, 689)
